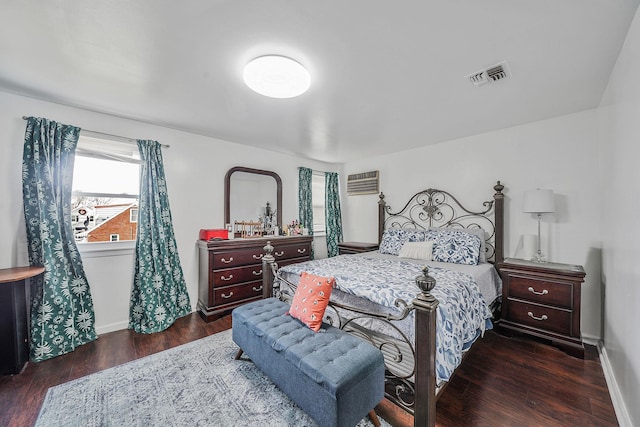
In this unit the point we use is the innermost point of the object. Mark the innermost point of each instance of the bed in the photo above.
(423, 298)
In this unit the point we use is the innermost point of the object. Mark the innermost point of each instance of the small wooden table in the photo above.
(14, 317)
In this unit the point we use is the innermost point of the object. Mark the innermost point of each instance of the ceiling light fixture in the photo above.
(276, 76)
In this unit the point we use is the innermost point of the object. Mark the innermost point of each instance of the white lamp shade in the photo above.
(276, 76)
(538, 201)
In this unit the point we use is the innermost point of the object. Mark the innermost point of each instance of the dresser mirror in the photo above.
(247, 191)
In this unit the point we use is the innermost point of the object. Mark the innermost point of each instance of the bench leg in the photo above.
(239, 354)
(374, 418)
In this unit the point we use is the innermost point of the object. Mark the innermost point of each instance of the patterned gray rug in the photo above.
(196, 384)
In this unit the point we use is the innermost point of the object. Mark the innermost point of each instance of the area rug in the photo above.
(196, 384)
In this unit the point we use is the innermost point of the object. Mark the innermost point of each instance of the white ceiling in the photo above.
(386, 75)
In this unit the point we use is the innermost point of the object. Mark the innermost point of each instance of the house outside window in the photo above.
(114, 238)
(133, 215)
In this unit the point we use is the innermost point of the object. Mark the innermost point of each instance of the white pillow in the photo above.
(417, 250)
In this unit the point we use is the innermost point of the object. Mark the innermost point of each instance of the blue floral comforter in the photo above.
(462, 315)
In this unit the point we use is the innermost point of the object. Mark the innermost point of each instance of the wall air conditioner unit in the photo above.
(363, 183)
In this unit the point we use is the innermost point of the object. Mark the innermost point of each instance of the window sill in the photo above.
(100, 249)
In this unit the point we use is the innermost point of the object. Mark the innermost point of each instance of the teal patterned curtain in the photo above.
(159, 295)
(62, 315)
(332, 212)
(305, 201)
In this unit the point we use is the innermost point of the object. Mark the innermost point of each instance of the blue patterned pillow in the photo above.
(454, 246)
(394, 238)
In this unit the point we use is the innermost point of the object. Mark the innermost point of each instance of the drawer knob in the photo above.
(543, 317)
(301, 251)
(257, 289)
(226, 278)
(227, 261)
(279, 253)
(257, 273)
(227, 296)
(533, 291)
(257, 256)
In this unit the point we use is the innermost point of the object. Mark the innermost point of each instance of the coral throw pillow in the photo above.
(311, 299)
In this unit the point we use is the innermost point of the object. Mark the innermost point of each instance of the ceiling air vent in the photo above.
(363, 183)
(492, 74)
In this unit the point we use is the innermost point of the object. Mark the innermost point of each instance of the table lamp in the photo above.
(538, 202)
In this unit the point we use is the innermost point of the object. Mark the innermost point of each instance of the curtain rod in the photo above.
(129, 140)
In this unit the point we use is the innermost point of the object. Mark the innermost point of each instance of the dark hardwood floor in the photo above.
(503, 381)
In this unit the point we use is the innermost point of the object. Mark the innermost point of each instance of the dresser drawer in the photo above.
(238, 257)
(539, 290)
(229, 294)
(281, 252)
(540, 316)
(232, 276)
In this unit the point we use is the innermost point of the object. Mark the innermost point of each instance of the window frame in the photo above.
(322, 227)
(102, 153)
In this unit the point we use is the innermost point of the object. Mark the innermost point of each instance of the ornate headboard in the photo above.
(438, 208)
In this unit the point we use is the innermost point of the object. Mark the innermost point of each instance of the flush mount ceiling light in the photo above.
(276, 76)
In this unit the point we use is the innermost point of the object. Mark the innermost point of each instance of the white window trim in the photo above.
(106, 249)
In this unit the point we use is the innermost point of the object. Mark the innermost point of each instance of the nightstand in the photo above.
(356, 247)
(543, 300)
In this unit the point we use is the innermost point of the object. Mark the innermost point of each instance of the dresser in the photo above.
(543, 300)
(230, 271)
(356, 247)
(14, 317)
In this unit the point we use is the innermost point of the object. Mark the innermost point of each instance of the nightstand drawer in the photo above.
(540, 316)
(542, 291)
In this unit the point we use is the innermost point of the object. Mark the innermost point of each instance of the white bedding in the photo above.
(374, 281)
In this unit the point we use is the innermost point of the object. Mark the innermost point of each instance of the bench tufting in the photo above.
(335, 377)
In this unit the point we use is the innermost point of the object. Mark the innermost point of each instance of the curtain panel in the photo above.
(159, 295)
(332, 212)
(62, 316)
(305, 200)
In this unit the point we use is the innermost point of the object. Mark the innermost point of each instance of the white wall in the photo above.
(195, 167)
(559, 153)
(620, 151)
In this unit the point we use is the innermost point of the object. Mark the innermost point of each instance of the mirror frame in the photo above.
(227, 191)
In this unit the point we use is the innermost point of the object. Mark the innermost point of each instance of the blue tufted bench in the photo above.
(334, 377)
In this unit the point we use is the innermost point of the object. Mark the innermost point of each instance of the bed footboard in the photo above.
(422, 401)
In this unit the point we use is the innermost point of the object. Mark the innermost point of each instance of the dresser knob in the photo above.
(533, 291)
(227, 261)
(301, 251)
(227, 296)
(257, 256)
(279, 253)
(257, 289)
(543, 317)
(226, 278)
(256, 273)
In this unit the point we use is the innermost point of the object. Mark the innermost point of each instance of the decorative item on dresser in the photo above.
(230, 271)
(543, 300)
(356, 247)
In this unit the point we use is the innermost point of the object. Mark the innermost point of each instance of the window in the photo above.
(106, 182)
(318, 202)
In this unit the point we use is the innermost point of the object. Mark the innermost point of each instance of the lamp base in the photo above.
(538, 257)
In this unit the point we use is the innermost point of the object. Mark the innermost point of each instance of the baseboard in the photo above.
(624, 420)
(105, 329)
(591, 340)
(116, 326)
